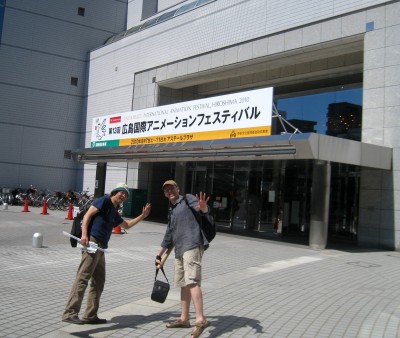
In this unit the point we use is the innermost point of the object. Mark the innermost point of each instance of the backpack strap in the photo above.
(195, 213)
(198, 218)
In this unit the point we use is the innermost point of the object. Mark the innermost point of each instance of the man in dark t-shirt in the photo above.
(104, 210)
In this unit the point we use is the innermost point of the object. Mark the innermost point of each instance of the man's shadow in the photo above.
(218, 324)
(128, 321)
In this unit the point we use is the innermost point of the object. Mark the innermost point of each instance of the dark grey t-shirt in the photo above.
(183, 229)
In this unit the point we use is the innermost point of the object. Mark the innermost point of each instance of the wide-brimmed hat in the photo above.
(169, 182)
(120, 187)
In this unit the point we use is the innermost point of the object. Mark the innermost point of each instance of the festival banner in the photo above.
(238, 115)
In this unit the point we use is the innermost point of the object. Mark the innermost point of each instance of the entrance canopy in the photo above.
(307, 146)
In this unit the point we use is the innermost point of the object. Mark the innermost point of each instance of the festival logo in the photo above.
(100, 128)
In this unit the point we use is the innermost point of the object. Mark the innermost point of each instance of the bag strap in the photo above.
(198, 218)
(196, 215)
(162, 270)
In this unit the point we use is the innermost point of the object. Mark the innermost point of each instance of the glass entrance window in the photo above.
(344, 202)
(229, 181)
(236, 194)
(273, 197)
(335, 113)
(254, 195)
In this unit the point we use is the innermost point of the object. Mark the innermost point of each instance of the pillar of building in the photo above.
(100, 183)
(319, 209)
(379, 214)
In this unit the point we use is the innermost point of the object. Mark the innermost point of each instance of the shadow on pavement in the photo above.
(225, 324)
(128, 321)
(218, 324)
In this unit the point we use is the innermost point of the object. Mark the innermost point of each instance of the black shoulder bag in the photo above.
(160, 288)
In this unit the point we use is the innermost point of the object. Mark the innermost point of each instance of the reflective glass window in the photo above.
(133, 30)
(202, 2)
(335, 113)
(149, 23)
(166, 16)
(119, 36)
(2, 5)
(186, 8)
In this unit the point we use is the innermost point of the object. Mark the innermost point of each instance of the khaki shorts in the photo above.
(188, 268)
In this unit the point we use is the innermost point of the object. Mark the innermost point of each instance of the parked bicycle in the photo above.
(56, 200)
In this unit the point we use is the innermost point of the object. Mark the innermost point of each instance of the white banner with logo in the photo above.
(239, 115)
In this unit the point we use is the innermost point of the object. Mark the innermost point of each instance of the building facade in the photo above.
(344, 53)
(44, 61)
(200, 49)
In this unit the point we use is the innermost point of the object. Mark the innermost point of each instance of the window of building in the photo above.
(258, 195)
(67, 154)
(202, 2)
(150, 7)
(150, 22)
(166, 16)
(81, 11)
(186, 8)
(335, 113)
(74, 81)
(133, 30)
(2, 5)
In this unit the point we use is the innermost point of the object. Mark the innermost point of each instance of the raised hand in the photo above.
(203, 200)
(146, 210)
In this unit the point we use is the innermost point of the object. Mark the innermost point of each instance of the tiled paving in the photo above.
(252, 287)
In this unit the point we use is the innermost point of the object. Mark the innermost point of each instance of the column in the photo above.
(319, 208)
(100, 183)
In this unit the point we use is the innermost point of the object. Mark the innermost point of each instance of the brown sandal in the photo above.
(178, 324)
(199, 328)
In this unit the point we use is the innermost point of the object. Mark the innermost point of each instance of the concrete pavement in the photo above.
(252, 287)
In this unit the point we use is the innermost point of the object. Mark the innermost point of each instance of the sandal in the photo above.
(199, 328)
(178, 324)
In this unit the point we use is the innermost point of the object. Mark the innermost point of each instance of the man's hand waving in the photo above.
(203, 200)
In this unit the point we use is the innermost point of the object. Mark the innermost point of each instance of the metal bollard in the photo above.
(37, 240)
(5, 206)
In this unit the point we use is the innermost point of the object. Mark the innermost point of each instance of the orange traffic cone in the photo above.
(44, 211)
(117, 230)
(25, 205)
(69, 216)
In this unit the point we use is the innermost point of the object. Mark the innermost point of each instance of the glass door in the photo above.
(344, 202)
(223, 193)
(270, 196)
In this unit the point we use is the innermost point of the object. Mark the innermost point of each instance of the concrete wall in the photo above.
(221, 32)
(380, 195)
(43, 44)
(134, 15)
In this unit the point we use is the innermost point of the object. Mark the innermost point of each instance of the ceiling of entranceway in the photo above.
(337, 64)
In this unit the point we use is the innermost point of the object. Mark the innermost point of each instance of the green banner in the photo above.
(100, 144)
